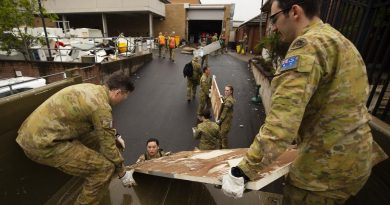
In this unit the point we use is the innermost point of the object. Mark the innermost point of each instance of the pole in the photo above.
(44, 29)
(261, 19)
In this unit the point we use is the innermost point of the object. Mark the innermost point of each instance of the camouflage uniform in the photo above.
(318, 100)
(193, 81)
(214, 39)
(146, 156)
(204, 99)
(209, 135)
(64, 132)
(243, 44)
(226, 118)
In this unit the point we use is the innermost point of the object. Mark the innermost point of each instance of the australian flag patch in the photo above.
(289, 63)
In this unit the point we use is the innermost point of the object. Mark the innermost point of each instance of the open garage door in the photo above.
(196, 27)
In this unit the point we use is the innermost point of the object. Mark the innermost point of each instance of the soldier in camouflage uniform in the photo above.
(205, 86)
(153, 151)
(226, 117)
(72, 131)
(193, 81)
(208, 133)
(318, 100)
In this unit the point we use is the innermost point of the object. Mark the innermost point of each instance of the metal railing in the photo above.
(62, 75)
(133, 46)
(366, 24)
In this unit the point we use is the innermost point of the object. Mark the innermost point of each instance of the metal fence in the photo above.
(366, 23)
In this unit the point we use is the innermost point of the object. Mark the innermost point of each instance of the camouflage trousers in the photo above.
(81, 161)
(205, 60)
(204, 103)
(293, 195)
(191, 88)
(225, 128)
(172, 54)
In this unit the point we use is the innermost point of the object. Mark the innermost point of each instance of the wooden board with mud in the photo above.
(216, 100)
(208, 166)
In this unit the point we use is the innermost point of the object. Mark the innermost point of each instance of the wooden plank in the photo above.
(207, 49)
(216, 99)
(208, 166)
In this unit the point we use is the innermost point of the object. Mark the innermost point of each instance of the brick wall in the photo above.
(92, 73)
(175, 20)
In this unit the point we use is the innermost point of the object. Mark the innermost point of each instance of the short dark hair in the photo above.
(310, 7)
(206, 114)
(153, 140)
(205, 68)
(120, 81)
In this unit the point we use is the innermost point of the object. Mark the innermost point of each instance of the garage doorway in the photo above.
(197, 27)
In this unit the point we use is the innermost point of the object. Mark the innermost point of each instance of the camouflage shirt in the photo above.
(318, 100)
(146, 156)
(196, 71)
(68, 115)
(208, 133)
(227, 109)
(205, 85)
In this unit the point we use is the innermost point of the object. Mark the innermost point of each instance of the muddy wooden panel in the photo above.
(207, 49)
(209, 166)
(216, 100)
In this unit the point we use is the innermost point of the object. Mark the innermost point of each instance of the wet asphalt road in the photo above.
(158, 106)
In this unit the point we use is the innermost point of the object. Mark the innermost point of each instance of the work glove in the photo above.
(127, 179)
(218, 122)
(120, 143)
(233, 183)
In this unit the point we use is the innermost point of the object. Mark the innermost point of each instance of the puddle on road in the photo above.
(153, 190)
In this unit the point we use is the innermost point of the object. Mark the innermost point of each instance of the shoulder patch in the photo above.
(289, 63)
(298, 44)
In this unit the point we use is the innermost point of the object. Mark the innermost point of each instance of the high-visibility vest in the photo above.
(172, 43)
(161, 40)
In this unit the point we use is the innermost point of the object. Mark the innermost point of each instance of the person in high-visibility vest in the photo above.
(161, 45)
(172, 45)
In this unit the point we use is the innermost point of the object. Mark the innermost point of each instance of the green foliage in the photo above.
(15, 17)
(276, 50)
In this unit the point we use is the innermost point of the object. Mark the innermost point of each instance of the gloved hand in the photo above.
(127, 179)
(232, 184)
(120, 142)
(218, 122)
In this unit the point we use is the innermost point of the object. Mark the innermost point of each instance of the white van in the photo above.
(12, 86)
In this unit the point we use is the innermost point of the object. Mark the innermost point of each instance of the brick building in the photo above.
(145, 18)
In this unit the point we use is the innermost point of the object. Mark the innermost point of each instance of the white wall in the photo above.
(98, 6)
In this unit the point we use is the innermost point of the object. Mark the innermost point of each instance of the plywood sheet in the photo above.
(207, 49)
(208, 166)
(216, 99)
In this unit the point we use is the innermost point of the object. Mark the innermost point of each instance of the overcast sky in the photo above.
(245, 9)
